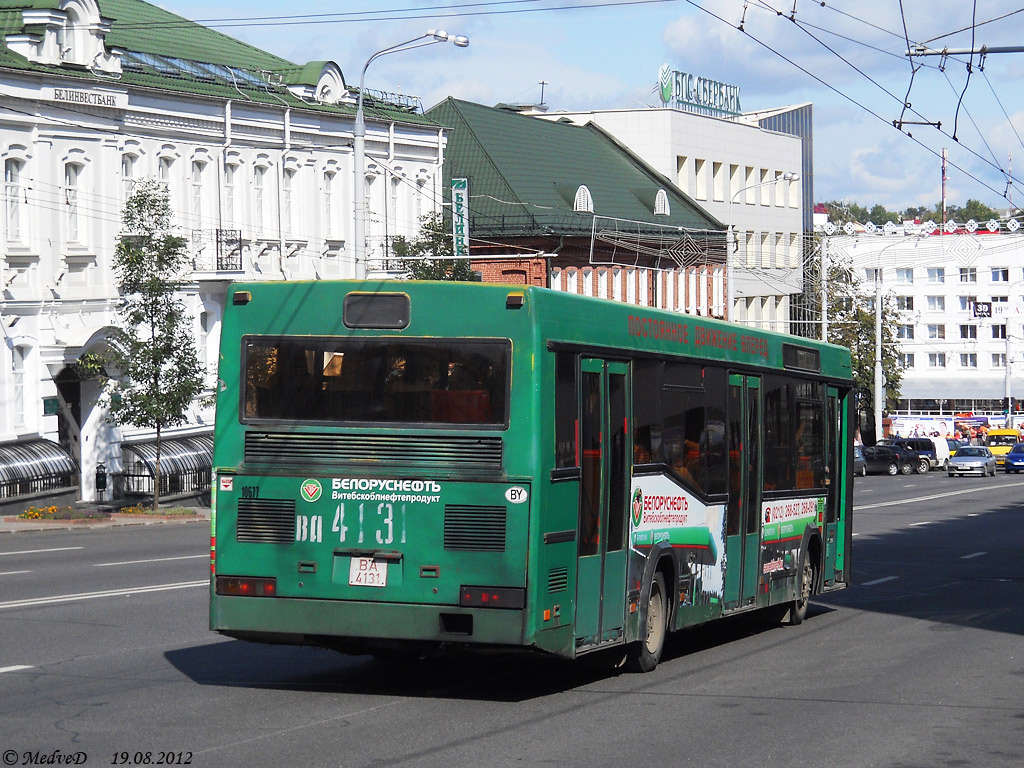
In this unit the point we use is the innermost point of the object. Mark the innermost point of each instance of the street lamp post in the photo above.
(730, 289)
(359, 135)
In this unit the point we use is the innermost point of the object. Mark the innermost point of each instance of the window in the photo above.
(998, 331)
(1000, 275)
(936, 360)
(679, 421)
(1000, 299)
(328, 200)
(127, 175)
(968, 274)
(871, 274)
(999, 360)
(968, 360)
(906, 360)
(197, 194)
(230, 172)
(905, 303)
(259, 177)
(683, 173)
(936, 274)
(718, 181)
(163, 171)
(968, 331)
(905, 332)
(661, 207)
(700, 172)
(350, 379)
(566, 412)
(72, 174)
(583, 203)
(18, 355)
(936, 331)
(967, 302)
(936, 303)
(794, 434)
(287, 185)
(15, 199)
(904, 275)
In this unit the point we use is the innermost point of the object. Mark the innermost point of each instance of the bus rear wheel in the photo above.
(645, 654)
(798, 608)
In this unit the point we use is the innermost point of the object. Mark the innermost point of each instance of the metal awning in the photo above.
(179, 455)
(979, 387)
(30, 465)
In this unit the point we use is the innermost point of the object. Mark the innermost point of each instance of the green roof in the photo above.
(524, 173)
(143, 28)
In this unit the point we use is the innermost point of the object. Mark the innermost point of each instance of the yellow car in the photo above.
(1000, 441)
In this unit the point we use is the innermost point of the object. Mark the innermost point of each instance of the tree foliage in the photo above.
(842, 212)
(152, 350)
(852, 325)
(429, 255)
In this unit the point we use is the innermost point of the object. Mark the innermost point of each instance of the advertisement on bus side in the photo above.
(662, 510)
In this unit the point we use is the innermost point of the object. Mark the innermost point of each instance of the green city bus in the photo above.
(407, 467)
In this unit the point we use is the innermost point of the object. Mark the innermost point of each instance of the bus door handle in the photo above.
(388, 555)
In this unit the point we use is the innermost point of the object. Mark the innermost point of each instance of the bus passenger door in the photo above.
(604, 486)
(834, 462)
(743, 515)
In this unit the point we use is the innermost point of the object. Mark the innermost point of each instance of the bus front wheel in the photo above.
(645, 654)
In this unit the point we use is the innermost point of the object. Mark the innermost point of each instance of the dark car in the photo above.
(1014, 459)
(890, 460)
(923, 447)
(860, 466)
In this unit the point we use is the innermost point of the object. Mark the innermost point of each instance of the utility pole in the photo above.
(944, 156)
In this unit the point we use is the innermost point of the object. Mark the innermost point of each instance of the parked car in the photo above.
(860, 466)
(1000, 441)
(972, 458)
(932, 452)
(1014, 461)
(890, 460)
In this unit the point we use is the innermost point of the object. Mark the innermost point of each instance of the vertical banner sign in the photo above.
(460, 219)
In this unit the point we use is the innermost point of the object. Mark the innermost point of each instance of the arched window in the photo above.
(72, 179)
(583, 203)
(259, 198)
(198, 169)
(19, 355)
(128, 162)
(230, 173)
(287, 191)
(661, 207)
(15, 199)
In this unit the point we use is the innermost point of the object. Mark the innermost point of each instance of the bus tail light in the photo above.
(492, 597)
(246, 586)
(213, 554)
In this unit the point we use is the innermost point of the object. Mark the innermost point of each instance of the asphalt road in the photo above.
(104, 652)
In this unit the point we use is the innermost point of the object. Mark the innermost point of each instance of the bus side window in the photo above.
(566, 411)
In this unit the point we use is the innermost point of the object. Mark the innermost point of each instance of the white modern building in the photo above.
(257, 155)
(960, 298)
(732, 166)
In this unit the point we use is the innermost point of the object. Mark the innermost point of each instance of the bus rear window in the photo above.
(376, 380)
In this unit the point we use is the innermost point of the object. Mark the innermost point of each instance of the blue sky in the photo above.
(608, 57)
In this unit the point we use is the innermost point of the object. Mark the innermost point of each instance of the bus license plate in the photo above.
(367, 572)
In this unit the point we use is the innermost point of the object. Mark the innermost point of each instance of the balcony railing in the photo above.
(216, 250)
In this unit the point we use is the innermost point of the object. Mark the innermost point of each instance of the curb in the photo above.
(21, 525)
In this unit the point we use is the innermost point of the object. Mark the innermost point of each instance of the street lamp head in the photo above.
(790, 176)
(461, 41)
(438, 34)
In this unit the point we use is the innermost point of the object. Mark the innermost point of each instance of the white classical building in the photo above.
(732, 167)
(256, 153)
(960, 300)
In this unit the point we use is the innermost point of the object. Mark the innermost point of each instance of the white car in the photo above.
(972, 458)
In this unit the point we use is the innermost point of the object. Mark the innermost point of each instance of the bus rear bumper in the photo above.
(348, 624)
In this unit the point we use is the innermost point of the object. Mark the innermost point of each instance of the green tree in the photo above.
(429, 255)
(152, 351)
(852, 325)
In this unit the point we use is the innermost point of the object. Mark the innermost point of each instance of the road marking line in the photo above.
(926, 522)
(37, 551)
(154, 560)
(937, 496)
(879, 581)
(106, 593)
(13, 573)
(15, 668)
(972, 556)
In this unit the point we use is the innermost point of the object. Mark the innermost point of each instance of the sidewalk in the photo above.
(9, 525)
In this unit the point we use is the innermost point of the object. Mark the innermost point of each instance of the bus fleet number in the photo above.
(382, 525)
